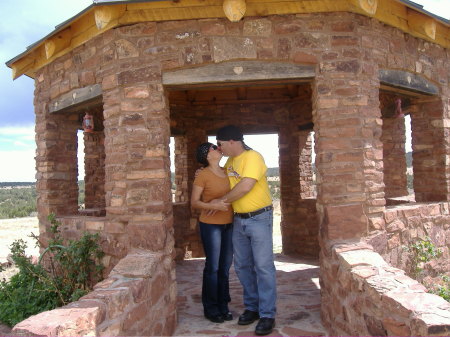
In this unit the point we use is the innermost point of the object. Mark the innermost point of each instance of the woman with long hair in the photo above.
(216, 228)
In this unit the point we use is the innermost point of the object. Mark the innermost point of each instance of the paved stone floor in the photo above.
(298, 303)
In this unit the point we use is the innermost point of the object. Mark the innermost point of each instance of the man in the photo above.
(253, 224)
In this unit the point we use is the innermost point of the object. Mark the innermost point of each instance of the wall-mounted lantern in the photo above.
(88, 123)
(234, 9)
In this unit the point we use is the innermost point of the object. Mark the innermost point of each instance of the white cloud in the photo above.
(27, 131)
(17, 166)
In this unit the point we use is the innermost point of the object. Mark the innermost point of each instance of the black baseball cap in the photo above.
(230, 132)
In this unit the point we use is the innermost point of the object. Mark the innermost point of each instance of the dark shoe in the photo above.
(265, 326)
(248, 317)
(228, 316)
(215, 318)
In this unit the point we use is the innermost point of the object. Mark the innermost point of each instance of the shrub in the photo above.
(71, 271)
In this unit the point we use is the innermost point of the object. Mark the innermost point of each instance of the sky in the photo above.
(25, 22)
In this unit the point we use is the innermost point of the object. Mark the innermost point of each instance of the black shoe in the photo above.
(227, 316)
(265, 326)
(215, 318)
(248, 317)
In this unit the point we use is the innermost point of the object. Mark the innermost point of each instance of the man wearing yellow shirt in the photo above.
(253, 224)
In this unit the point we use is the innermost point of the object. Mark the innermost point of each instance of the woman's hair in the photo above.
(202, 153)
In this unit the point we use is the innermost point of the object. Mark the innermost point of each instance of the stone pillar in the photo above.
(187, 238)
(347, 122)
(181, 170)
(94, 169)
(430, 129)
(307, 187)
(56, 165)
(394, 160)
(299, 227)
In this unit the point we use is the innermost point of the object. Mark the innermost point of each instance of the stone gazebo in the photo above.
(345, 72)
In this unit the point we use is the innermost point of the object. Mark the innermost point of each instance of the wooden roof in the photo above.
(104, 15)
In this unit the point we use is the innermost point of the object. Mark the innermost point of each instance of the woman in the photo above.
(216, 228)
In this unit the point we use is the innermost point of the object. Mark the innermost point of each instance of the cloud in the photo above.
(19, 166)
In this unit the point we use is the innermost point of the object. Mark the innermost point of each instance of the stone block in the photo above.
(226, 48)
(140, 264)
(147, 236)
(396, 328)
(360, 258)
(345, 221)
(259, 27)
(61, 322)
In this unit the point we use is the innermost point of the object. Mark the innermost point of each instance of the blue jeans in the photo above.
(218, 246)
(254, 262)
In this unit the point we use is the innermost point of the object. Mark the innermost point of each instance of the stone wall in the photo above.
(370, 298)
(137, 299)
(405, 225)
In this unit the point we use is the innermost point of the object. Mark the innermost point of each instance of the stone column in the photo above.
(347, 122)
(430, 129)
(56, 165)
(307, 188)
(299, 227)
(181, 169)
(187, 238)
(394, 160)
(94, 169)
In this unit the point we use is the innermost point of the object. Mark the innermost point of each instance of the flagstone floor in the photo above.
(298, 304)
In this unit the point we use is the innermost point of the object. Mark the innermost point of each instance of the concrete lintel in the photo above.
(75, 98)
(407, 81)
(239, 71)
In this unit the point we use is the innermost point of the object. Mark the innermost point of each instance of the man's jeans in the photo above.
(218, 246)
(254, 262)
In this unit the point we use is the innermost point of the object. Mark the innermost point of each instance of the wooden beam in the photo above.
(75, 98)
(238, 71)
(407, 81)
(107, 15)
(422, 24)
(234, 9)
(58, 42)
(22, 66)
(368, 7)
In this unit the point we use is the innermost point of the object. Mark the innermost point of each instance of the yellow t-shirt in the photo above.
(214, 187)
(249, 164)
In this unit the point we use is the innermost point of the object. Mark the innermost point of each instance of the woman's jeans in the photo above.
(254, 262)
(218, 246)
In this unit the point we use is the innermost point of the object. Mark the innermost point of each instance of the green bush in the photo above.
(17, 202)
(71, 271)
(443, 289)
(422, 251)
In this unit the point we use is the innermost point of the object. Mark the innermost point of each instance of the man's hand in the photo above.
(218, 205)
(197, 171)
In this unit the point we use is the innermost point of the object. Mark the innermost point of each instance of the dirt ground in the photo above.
(13, 229)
